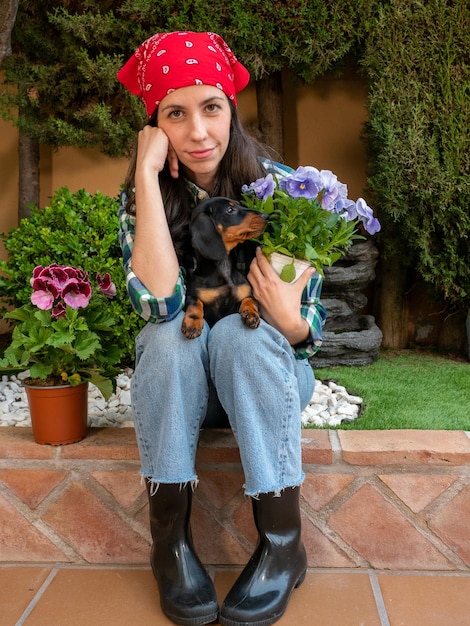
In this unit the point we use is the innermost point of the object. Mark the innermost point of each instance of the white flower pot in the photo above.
(279, 261)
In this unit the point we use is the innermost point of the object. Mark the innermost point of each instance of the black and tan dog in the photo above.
(215, 288)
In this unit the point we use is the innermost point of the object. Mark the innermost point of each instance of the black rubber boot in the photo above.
(187, 594)
(261, 593)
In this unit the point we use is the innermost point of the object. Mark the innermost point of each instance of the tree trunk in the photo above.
(393, 306)
(270, 118)
(28, 157)
(8, 10)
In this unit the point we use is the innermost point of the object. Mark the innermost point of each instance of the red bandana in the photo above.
(170, 61)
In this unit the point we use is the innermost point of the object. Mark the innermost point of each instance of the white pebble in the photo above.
(125, 397)
(330, 404)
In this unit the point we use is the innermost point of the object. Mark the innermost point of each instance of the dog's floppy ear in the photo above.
(206, 239)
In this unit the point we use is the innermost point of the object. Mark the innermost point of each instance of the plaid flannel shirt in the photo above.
(157, 310)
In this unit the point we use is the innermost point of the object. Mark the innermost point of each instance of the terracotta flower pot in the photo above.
(59, 415)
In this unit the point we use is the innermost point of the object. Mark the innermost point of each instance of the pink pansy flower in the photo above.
(44, 293)
(106, 285)
(54, 274)
(76, 293)
(59, 310)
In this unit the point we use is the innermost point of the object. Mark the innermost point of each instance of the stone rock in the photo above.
(355, 347)
(349, 338)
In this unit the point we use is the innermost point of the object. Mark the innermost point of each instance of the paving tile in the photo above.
(93, 530)
(114, 597)
(21, 541)
(18, 586)
(242, 518)
(431, 600)
(219, 487)
(316, 446)
(324, 599)
(321, 551)
(217, 445)
(125, 486)
(452, 524)
(319, 489)
(31, 486)
(105, 444)
(18, 443)
(214, 543)
(417, 490)
(425, 447)
(380, 533)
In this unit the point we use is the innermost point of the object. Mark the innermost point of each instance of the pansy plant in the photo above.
(311, 217)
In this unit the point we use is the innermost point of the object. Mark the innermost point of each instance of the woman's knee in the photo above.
(232, 337)
(160, 343)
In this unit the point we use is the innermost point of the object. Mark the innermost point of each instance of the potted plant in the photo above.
(63, 336)
(311, 218)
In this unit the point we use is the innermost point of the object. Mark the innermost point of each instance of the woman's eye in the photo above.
(175, 114)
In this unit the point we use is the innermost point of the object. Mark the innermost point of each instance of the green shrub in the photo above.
(76, 229)
(417, 62)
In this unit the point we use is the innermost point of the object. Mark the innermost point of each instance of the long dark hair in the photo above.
(239, 166)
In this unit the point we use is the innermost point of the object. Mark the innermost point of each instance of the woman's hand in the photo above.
(279, 301)
(153, 149)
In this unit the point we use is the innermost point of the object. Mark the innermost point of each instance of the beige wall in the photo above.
(8, 177)
(331, 115)
(81, 169)
(323, 124)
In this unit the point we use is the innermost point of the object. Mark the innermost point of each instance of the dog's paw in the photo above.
(251, 320)
(249, 313)
(192, 330)
(250, 317)
(193, 321)
(192, 327)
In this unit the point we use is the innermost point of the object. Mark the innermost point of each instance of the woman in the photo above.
(194, 147)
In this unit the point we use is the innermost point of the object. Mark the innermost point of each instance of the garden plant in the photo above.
(76, 229)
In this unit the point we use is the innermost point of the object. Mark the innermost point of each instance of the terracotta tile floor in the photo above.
(122, 596)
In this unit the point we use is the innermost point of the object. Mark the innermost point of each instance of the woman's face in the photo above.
(196, 120)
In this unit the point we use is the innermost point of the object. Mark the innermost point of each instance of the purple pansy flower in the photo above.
(346, 208)
(305, 182)
(333, 190)
(365, 213)
(263, 188)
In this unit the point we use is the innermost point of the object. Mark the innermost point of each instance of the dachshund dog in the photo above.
(215, 288)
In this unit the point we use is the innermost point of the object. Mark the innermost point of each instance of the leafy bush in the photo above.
(417, 61)
(77, 229)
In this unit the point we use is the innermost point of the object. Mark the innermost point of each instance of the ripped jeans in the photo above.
(260, 384)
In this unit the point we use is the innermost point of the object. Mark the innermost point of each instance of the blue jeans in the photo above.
(260, 384)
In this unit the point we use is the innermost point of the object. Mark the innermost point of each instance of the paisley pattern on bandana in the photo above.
(169, 61)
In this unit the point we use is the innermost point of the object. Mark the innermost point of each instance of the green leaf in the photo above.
(40, 370)
(288, 273)
(86, 344)
(18, 314)
(103, 384)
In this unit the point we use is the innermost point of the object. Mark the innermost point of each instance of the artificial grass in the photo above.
(408, 389)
